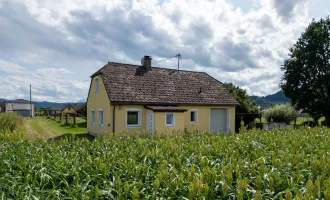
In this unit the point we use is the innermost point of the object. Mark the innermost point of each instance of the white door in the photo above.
(218, 120)
(150, 121)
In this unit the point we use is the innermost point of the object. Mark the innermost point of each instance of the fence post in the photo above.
(260, 122)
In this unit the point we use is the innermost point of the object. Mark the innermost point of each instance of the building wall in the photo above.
(23, 107)
(160, 126)
(98, 101)
(9, 107)
(120, 118)
(203, 123)
(182, 120)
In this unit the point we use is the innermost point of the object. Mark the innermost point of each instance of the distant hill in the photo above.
(270, 100)
(46, 104)
(82, 101)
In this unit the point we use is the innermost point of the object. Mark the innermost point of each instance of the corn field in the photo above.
(281, 164)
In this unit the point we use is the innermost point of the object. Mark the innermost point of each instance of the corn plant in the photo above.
(278, 164)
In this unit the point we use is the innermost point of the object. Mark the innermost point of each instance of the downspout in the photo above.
(113, 119)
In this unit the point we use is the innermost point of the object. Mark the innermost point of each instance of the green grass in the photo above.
(279, 164)
(62, 128)
(45, 128)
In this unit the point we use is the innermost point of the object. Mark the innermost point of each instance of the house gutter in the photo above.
(113, 119)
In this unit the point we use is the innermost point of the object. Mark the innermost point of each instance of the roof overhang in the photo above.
(167, 103)
(166, 108)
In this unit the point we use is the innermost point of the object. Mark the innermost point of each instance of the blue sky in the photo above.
(56, 45)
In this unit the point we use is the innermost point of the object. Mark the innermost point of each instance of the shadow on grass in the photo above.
(70, 136)
(82, 125)
(78, 125)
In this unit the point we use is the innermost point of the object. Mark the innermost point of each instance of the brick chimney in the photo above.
(146, 63)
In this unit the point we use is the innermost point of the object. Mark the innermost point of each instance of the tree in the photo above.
(280, 113)
(306, 79)
(247, 104)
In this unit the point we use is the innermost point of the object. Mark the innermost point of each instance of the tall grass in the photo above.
(279, 164)
(9, 122)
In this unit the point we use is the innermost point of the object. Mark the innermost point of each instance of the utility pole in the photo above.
(30, 102)
(179, 57)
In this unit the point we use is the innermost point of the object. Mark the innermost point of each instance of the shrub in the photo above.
(310, 123)
(10, 122)
(280, 113)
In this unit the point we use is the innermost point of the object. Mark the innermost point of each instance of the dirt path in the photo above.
(37, 129)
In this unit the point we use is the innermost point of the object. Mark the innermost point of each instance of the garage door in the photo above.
(218, 121)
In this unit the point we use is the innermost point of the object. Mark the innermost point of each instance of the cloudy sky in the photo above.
(56, 45)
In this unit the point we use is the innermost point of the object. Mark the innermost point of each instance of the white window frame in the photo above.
(193, 110)
(93, 122)
(139, 118)
(173, 122)
(96, 85)
(102, 117)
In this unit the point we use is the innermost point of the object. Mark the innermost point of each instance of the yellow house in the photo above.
(76, 109)
(132, 98)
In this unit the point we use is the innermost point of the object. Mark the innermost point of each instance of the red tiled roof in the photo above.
(129, 84)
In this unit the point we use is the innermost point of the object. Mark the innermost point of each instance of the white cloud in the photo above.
(10, 67)
(66, 41)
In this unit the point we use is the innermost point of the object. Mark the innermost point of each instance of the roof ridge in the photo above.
(151, 67)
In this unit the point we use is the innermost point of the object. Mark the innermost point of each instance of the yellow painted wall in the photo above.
(160, 125)
(98, 101)
(120, 119)
(203, 123)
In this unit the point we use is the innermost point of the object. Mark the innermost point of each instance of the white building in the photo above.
(21, 106)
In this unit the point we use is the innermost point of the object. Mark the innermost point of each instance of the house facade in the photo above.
(132, 98)
(78, 109)
(21, 106)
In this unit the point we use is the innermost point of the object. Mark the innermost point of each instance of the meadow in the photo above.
(41, 127)
(279, 164)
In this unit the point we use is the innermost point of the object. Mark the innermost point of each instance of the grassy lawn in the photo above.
(63, 128)
(44, 128)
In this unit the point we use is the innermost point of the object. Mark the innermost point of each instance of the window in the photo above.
(169, 119)
(96, 85)
(133, 118)
(93, 117)
(100, 117)
(193, 116)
